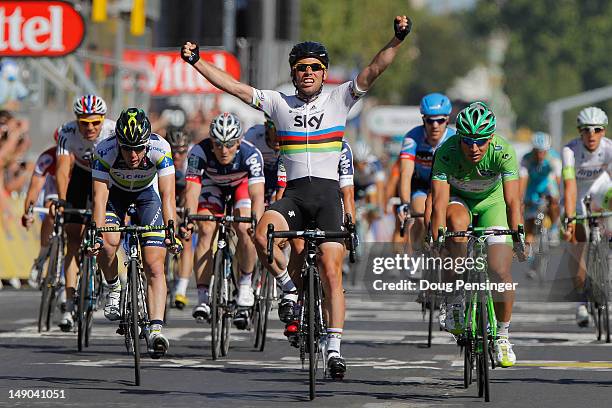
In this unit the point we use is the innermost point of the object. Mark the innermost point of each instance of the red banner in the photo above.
(39, 28)
(170, 75)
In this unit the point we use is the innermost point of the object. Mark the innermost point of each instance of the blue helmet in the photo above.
(435, 104)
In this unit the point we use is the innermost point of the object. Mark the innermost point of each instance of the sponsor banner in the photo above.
(39, 28)
(170, 75)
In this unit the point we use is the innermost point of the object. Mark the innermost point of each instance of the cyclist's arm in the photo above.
(279, 193)
(62, 174)
(381, 61)
(513, 203)
(37, 182)
(168, 197)
(348, 198)
(192, 193)
(223, 80)
(99, 200)
(256, 194)
(524, 180)
(440, 194)
(570, 189)
(406, 171)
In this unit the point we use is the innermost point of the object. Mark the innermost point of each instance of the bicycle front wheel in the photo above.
(216, 310)
(45, 310)
(83, 301)
(312, 327)
(268, 290)
(134, 328)
(483, 355)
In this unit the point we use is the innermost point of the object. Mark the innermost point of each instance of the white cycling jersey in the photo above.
(109, 164)
(591, 170)
(310, 133)
(70, 140)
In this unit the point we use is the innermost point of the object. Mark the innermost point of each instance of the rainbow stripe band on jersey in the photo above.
(326, 140)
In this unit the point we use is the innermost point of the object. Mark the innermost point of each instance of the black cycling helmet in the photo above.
(177, 137)
(133, 128)
(308, 49)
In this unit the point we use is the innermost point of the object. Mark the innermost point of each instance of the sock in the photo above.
(156, 325)
(286, 283)
(334, 337)
(202, 294)
(245, 278)
(113, 283)
(181, 286)
(502, 329)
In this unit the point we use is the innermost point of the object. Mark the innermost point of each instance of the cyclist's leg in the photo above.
(210, 201)
(458, 218)
(246, 249)
(185, 271)
(107, 259)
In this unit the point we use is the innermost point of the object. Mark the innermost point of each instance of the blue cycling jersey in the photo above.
(416, 148)
(541, 176)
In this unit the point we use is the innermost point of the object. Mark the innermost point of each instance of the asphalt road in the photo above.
(559, 365)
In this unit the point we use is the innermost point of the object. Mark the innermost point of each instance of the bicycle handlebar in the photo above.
(404, 221)
(592, 216)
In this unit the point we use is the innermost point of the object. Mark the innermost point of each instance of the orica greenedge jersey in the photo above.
(475, 181)
(110, 166)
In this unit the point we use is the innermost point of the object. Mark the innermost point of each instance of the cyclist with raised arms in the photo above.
(263, 137)
(310, 127)
(135, 167)
(416, 158)
(587, 170)
(540, 178)
(220, 165)
(475, 174)
(76, 142)
(179, 141)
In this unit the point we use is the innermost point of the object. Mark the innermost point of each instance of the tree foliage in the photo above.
(557, 48)
(437, 50)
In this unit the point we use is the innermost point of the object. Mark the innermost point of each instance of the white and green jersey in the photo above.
(591, 170)
(109, 164)
(475, 181)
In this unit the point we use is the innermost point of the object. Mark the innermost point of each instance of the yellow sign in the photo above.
(98, 11)
(138, 18)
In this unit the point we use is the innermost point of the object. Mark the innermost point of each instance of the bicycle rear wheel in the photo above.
(95, 291)
(48, 288)
(227, 289)
(268, 290)
(215, 306)
(431, 306)
(134, 328)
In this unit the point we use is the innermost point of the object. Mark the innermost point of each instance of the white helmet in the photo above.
(541, 141)
(362, 151)
(89, 104)
(225, 128)
(592, 116)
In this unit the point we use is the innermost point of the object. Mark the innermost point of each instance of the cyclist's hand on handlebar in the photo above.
(521, 250)
(403, 212)
(185, 230)
(95, 249)
(568, 233)
(174, 247)
(26, 220)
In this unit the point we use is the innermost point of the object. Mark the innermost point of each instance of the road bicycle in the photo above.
(311, 324)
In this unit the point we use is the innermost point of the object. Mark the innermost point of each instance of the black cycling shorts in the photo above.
(79, 193)
(312, 203)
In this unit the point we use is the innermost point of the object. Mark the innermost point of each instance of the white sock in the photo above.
(246, 278)
(502, 329)
(202, 295)
(181, 286)
(334, 337)
(286, 283)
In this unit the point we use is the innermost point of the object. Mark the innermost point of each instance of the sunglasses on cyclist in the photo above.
(315, 67)
(477, 141)
(593, 129)
(439, 121)
(95, 122)
(221, 145)
(136, 149)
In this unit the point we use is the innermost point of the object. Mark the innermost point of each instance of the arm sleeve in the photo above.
(265, 101)
(62, 143)
(196, 163)
(408, 151)
(345, 166)
(568, 162)
(281, 175)
(100, 169)
(509, 167)
(255, 165)
(441, 167)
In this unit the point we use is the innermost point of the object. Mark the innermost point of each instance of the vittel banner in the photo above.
(39, 28)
